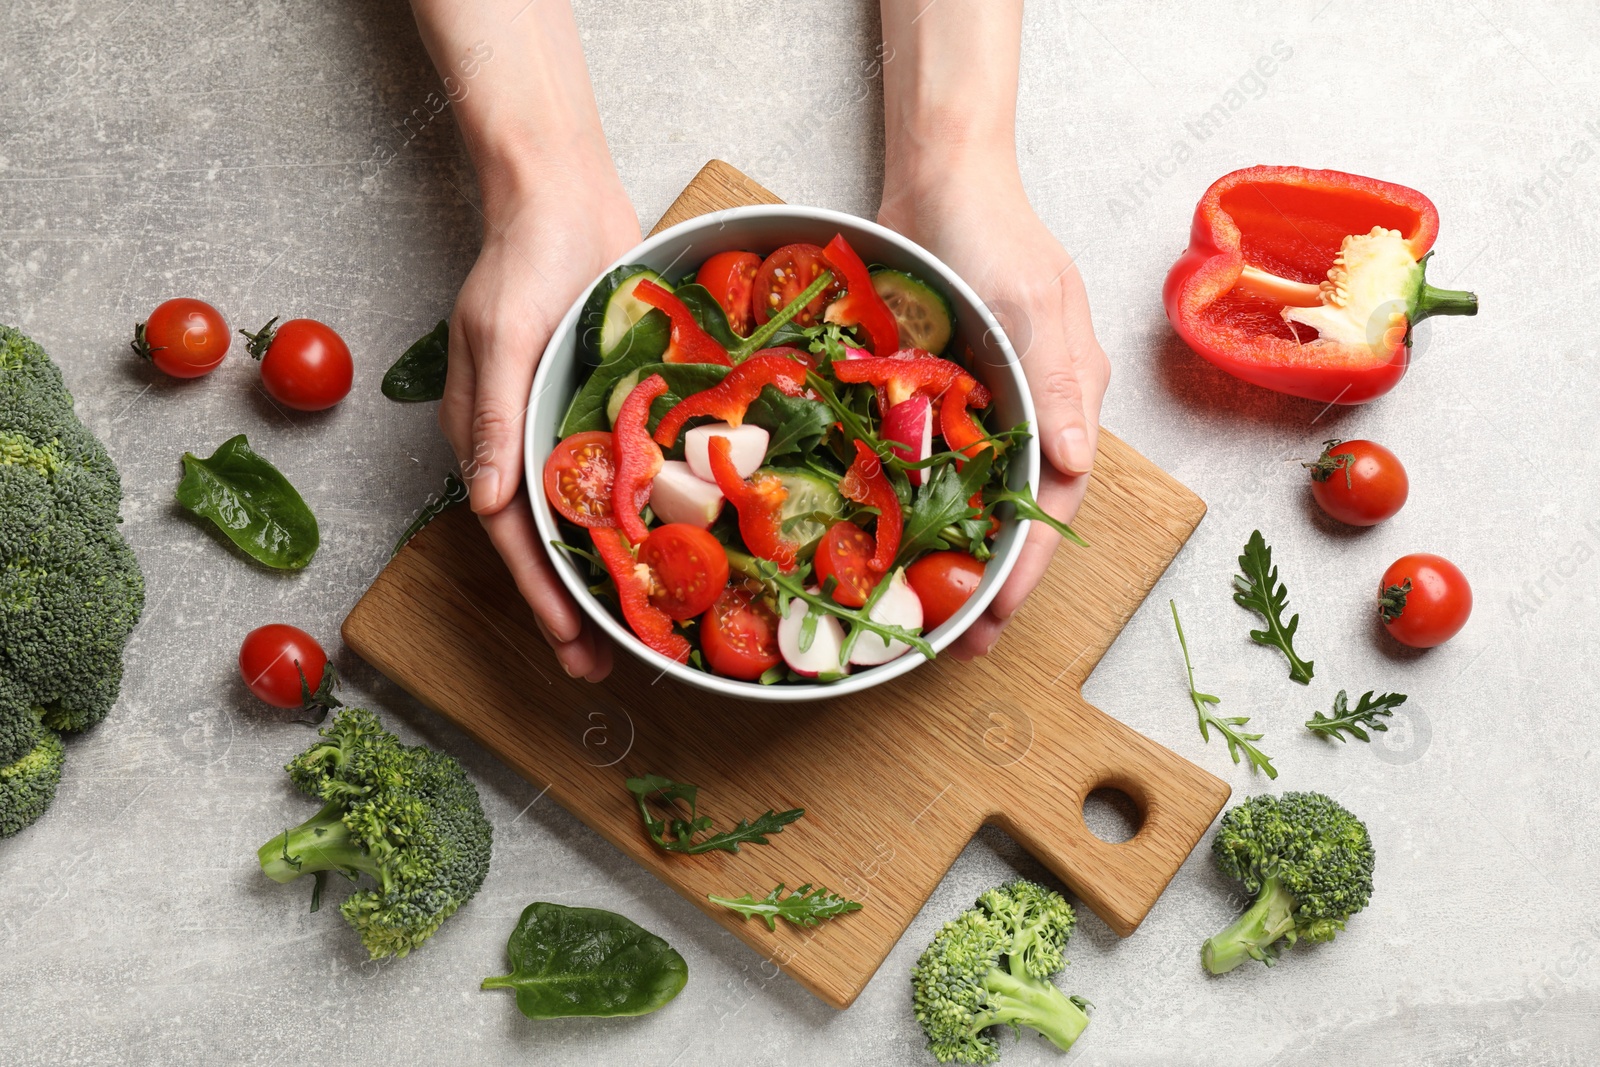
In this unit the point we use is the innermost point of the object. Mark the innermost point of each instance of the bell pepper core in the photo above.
(1308, 281)
(648, 622)
(860, 305)
(782, 368)
(760, 506)
(865, 483)
(638, 457)
(689, 344)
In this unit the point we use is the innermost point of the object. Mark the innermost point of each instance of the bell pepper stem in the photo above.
(1434, 301)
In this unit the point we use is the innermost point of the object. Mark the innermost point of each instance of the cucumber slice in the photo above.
(623, 309)
(924, 315)
(619, 393)
(809, 493)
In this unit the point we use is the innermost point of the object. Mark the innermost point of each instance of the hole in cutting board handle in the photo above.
(1112, 815)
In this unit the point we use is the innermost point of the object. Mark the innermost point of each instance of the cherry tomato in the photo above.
(943, 581)
(1424, 600)
(578, 477)
(739, 635)
(784, 275)
(185, 338)
(272, 659)
(689, 569)
(1359, 482)
(843, 555)
(304, 364)
(730, 277)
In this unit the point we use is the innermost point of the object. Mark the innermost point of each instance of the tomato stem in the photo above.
(261, 340)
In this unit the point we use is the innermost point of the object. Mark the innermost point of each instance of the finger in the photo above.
(517, 540)
(1068, 374)
(602, 654)
(505, 355)
(455, 406)
(978, 638)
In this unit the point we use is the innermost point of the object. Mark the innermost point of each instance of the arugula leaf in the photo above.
(763, 337)
(1028, 508)
(793, 423)
(455, 491)
(1259, 590)
(418, 375)
(708, 313)
(1366, 713)
(805, 906)
(251, 502)
(793, 586)
(941, 501)
(677, 834)
(568, 962)
(1237, 739)
(643, 344)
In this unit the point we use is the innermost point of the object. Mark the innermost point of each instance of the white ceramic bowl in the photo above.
(762, 229)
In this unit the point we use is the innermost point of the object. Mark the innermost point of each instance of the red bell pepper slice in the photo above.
(860, 305)
(976, 502)
(689, 344)
(782, 368)
(638, 458)
(907, 373)
(1269, 242)
(648, 622)
(959, 429)
(760, 506)
(865, 483)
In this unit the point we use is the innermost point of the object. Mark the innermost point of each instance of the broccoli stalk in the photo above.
(1252, 935)
(992, 966)
(406, 816)
(1308, 861)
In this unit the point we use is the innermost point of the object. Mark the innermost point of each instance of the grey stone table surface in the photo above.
(259, 155)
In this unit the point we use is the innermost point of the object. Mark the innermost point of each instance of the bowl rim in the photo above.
(544, 517)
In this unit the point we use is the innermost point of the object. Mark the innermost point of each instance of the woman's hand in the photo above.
(989, 235)
(539, 253)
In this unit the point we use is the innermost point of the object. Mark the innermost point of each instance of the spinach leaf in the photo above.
(643, 344)
(568, 962)
(252, 503)
(418, 375)
(708, 313)
(594, 311)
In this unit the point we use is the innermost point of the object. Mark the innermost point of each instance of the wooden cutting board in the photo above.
(895, 781)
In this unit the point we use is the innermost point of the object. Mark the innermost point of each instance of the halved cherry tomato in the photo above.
(185, 338)
(578, 477)
(784, 275)
(739, 635)
(304, 363)
(272, 659)
(943, 581)
(730, 276)
(1359, 482)
(1424, 600)
(649, 623)
(689, 567)
(845, 554)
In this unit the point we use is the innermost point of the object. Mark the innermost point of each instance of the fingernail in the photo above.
(1073, 448)
(485, 489)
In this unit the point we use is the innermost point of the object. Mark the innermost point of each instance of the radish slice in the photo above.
(677, 495)
(899, 606)
(856, 353)
(822, 655)
(747, 448)
(909, 425)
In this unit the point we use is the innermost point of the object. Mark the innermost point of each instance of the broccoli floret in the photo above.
(991, 966)
(29, 785)
(404, 815)
(70, 588)
(1308, 861)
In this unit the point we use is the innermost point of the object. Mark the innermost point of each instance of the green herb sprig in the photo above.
(1228, 727)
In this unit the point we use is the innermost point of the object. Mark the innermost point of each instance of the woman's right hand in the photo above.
(542, 247)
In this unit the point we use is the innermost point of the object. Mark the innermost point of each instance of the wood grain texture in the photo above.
(894, 781)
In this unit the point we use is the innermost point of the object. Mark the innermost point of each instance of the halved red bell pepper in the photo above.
(760, 506)
(1308, 281)
(648, 622)
(782, 368)
(908, 372)
(959, 429)
(860, 305)
(638, 457)
(689, 343)
(865, 483)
